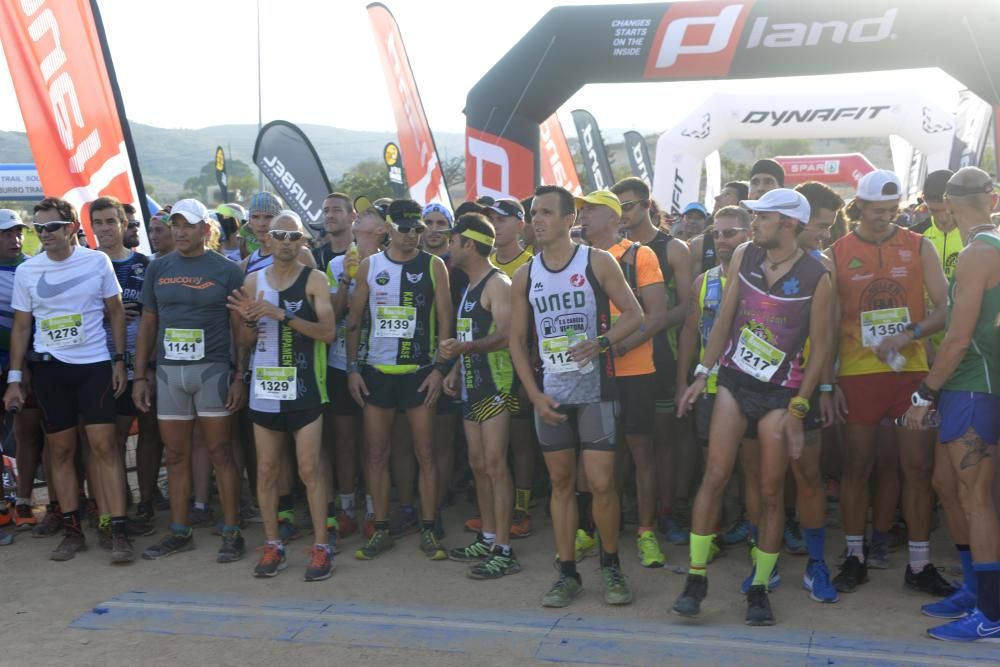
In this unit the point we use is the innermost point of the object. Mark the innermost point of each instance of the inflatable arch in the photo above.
(709, 39)
(681, 151)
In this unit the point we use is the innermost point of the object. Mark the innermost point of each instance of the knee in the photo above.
(377, 458)
(857, 468)
(563, 483)
(220, 454)
(308, 473)
(716, 477)
(495, 466)
(772, 492)
(176, 457)
(919, 471)
(603, 486)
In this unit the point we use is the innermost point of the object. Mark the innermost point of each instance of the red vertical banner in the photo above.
(56, 55)
(424, 175)
(557, 164)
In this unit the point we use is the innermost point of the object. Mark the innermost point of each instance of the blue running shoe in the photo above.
(672, 531)
(771, 585)
(974, 627)
(794, 542)
(957, 605)
(738, 534)
(816, 580)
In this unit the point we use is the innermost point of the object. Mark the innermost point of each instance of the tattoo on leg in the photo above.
(975, 449)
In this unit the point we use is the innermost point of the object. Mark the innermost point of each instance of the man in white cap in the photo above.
(882, 273)
(779, 296)
(186, 323)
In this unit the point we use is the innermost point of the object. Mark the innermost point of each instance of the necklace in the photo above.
(775, 265)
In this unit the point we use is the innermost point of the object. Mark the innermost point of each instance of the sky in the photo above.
(193, 63)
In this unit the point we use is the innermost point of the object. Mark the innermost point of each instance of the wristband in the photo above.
(926, 393)
(826, 389)
(701, 370)
(13, 376)
(603, 343)
(138, 379)
(915, 328)
(799, 407)
(353, 367)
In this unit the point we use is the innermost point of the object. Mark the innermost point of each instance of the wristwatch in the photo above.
(700, 369)
(604, 343)
(289, 315)
(118, 356)
(915, 328)
(924, 396)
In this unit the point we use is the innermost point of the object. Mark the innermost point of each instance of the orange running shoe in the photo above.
(474, 525)
(521, 525)
(6, 516)
(24, 518)
(346, 525)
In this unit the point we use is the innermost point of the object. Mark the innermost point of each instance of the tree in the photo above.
(369, 178)
(239, 176)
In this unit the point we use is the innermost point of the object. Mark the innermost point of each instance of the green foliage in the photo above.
(369, 178)
(240, 178)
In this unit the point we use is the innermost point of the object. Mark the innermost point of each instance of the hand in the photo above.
(13, 398)
(142, 396)
(546, 408)
(682, 388)
(827, 409)
(620, 350)
(433, 386)
(839, 405)
(792, 428)
(584, 352)
(691, 395)
(891, 344)
(449, 348)
(451, 384)
(239, 301)
(357, 387)
(132, 312)
(236, 397)
(915, 416)
(119, 378)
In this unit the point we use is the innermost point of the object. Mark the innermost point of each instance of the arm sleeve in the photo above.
(647, 268)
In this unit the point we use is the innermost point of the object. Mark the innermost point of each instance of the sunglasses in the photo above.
(629, 205)
(133, 224)
(727, 233)
(406, 228)
(50, 227)
(284, 235)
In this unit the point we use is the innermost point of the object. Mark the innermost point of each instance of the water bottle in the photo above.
(896, 361)
(931, 420)
(573, 338)
(352, 254)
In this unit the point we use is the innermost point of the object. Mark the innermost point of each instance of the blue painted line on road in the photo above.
(554, 637)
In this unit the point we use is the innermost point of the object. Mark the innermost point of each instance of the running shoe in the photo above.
(520, 525)
(738, 534)
(650, 554)
(816, 580)
(616, 590)
(478, 551)
(695, 590)
(6, 516)
(852, 574)
(473, 525)
(406, 522)
(346, 525)
(565, 590)
(24, 517)
(929, 581)
(431, 547)
(288, 531)
(380, 542)
(794, 542)
(104, 540)
(6, 538)
(973, 628)
(772, 582)
(122, 550)
(495, 566)
(72, 542)
(272, 561)
(201, 518)
(368, 527)
(959, 604)
(672, 530)
(144, 512)
(878, 555)
(233, 547)
(759, 607)
(250, 512)
(172, 543)
(320, 564)
(50, 524)
(139, 527)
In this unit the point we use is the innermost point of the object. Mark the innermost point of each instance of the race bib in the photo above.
(62, 330)
(395, 321)
(879, 324)
(463, 330)
(276, 384)
(756, 357)
(184, 344)
(556, 357)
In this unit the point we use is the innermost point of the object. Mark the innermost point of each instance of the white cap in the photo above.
(9, 219)
(192, 210)
(781, 200)
(879, 185)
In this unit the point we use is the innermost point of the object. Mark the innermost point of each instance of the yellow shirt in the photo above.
(511, 267)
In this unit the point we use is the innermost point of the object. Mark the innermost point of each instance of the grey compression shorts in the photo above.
(592, 425)
(193, 390)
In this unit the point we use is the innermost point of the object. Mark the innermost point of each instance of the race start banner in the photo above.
(595, 156)
(421, 163)
(59, 61)
(286, 157)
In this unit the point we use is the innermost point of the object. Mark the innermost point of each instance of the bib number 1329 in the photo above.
(279, 384)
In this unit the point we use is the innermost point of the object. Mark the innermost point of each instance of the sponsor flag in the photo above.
(595, 156)
(972, 126)
(394, 163)
(557, 164)
(220, 174)
(638, 156)
(286, 157)
(65, 83)
(420, 157)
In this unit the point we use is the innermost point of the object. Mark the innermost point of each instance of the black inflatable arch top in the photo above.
(710, 39)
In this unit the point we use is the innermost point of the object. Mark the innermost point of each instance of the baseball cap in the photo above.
(695, 206)
(266, 203)
(781, 200)
(469, 207)
(879, 185)
(507, 208)
(438, 207)
(966, 182)
(191, 209)
(935, 184)
(232, 211)
(9, 219)
(600, 198)
(362, 204)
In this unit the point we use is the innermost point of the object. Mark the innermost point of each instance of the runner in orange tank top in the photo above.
(881, 272)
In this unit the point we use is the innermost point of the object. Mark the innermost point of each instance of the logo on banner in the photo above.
(496, 167)
(640, 162)
(279, 173)
(934, 125)
(595, 164)
(702, 131)
(826, 114)
(688, 43)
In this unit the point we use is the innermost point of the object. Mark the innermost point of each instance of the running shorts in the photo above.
(962, 410)
(286, 421)
(637, 395)
(489, 407)
(395, 392)
(754, 397)
(184, 392)
(591, 425)
(70, 393)
(877, 396)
